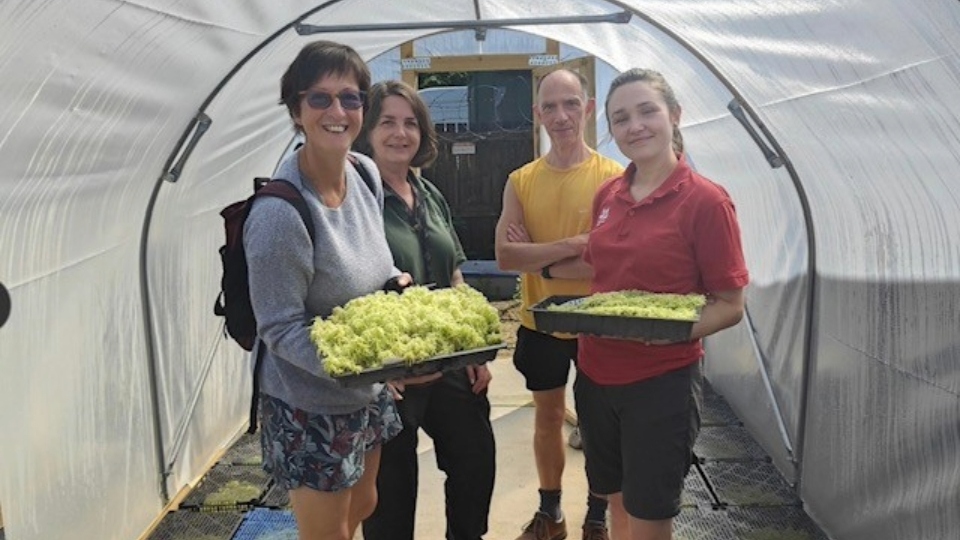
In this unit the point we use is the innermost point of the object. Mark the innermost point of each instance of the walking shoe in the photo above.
(595, 531)
(543, 527)
(574, 440)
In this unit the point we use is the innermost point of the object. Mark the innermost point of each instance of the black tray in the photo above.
(400, 370)
(606, 325)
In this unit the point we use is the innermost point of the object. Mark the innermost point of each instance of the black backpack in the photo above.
(233, 301)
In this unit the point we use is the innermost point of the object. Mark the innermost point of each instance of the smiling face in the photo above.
(641, 122)
(333, 128)
(395, 137)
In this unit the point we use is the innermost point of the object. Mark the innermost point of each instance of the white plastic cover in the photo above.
(118, 389)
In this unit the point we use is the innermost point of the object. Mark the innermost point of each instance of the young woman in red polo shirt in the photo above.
(659, 227)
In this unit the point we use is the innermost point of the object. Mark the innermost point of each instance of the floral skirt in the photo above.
(320, 451)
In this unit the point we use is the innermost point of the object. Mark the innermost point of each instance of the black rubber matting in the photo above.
(727, 443)
(775, 523)
(703, 524)
(754, 483)
(225, 478)
(769, 523)
(277, 497)
(695, 492)
(187, 525)
(246, 451)
(715, 410)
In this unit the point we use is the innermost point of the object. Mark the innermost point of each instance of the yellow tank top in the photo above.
(557, 204)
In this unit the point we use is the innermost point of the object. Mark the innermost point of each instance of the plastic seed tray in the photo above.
(400, 370)
(606, 325)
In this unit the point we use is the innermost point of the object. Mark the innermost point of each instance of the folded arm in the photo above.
(571, 268)
(514, 248)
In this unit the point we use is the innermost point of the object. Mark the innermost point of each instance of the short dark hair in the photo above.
(427, 152)
(315, 61)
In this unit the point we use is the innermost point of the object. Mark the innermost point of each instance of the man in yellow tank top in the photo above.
(541, 233)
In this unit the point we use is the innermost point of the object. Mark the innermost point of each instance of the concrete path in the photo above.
(515, 491)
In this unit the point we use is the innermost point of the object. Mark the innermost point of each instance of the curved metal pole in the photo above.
(804, 201)
(476, 24)
(4, 305)
(762, 366)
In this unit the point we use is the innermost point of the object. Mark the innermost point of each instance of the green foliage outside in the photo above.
(430, 80)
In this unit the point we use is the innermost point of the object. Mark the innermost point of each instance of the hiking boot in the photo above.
(574, 440)
(543, 527)
(595, 531)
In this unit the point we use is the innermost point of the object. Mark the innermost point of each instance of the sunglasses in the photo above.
(348, 99)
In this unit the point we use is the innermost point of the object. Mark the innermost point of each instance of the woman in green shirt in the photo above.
(453, 409)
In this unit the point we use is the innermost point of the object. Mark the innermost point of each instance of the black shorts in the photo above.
(638, 438)
(543, 359)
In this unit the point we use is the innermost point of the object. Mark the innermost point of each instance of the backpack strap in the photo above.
(255, 398)
(283, 189)
(362, 171)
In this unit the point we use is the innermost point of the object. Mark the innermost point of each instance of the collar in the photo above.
(674, 183)
(414, 182)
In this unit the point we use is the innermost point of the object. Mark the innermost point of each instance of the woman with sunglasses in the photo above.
(320, 441)
(453, 410)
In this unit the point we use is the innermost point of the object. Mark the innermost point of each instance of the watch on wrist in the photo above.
(545, 272)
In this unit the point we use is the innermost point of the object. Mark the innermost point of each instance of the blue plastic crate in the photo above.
(265, 524)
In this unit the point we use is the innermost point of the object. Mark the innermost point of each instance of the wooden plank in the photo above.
(409, 76)
(553, 47)
(477, 62)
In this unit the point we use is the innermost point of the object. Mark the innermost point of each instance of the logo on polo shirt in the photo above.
(604, 214)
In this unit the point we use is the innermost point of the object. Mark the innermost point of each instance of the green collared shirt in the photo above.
(423, 240)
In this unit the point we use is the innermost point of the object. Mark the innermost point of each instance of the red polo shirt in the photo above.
(683, 239)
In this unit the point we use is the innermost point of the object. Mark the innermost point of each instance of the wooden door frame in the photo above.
(412, 66)
(537, 64)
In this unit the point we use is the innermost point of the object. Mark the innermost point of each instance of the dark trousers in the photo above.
(458, 421)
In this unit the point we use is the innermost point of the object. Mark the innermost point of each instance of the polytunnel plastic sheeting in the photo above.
(860, 97)
(761, 370)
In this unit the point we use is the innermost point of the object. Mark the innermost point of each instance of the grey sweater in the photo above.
(292, 281)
